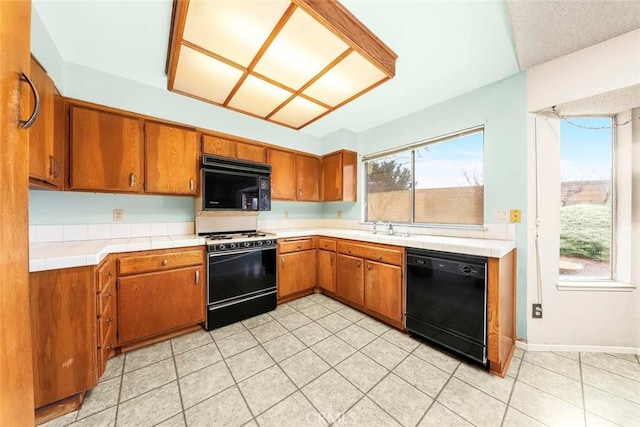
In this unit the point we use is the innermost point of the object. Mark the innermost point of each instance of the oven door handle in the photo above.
(241, 251)
(234, 302)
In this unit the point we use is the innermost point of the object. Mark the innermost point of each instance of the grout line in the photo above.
(435, 399)
(175, 367)
(584, 403)
(513, 387)
(124, 361)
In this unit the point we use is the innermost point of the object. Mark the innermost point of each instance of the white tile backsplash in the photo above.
(99, 231)
(50, 233)
(158, 229)
(75, 232)
(32, 234)
(120, 231)
(140, 230)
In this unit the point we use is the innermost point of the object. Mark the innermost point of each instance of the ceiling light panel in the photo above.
(301, 50)
(202, 76)
(298, 112)
(349, 77)
(258, 97)
(233, 29)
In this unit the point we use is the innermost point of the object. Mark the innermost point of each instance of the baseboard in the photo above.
(586, 348)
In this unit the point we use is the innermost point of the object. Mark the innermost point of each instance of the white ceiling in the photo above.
(445, 48)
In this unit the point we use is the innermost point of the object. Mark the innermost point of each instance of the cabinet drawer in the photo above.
(327, 244)
(106, 297)
(294, 245)
(106, 321)
(157, 262)
(106, 274)
(373, 252)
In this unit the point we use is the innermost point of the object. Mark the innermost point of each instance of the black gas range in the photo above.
(241, 275)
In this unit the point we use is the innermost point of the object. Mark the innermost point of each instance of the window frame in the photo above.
(411, 148)
(613, 242)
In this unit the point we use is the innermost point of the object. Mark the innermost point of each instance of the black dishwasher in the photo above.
(447, 301)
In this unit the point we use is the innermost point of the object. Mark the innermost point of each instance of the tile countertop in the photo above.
(56, 255)
(461, 245)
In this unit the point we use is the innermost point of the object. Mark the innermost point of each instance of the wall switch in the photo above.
(117, 214)
(516, 215)
(536, 311)
(286, 214)
(501, 217)
(339, 214)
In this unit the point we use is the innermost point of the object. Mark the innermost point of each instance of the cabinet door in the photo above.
(383, 289)
(154, 303)
(296, 272)
(218, 146)
(63, 324)
(327, 270)
(332, 177)
(42, 164)
(349, 278)
(106, 151)
(251, 152)
(171, 159)
(307, 178)
(283, 174)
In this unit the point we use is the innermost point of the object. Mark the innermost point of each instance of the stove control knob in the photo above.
(221, 247)
(232, 245)
(247, 244)
(268, 242)
(259, 243)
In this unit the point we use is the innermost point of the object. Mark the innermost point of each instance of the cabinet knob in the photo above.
(110, 294)
(358, 264)
(299, 246)
(349, 251)
(110, 273)
(326, 245)
(164, 262)
(369, 267)
(109, 347)
(379, 257)
(110, 319)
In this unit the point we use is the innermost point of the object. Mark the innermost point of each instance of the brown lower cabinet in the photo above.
(370, 276)
(160, 291)
(297, 267)
(327, 264)
(63, 322)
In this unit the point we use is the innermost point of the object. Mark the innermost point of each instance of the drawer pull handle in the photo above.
(109, 347)
(300, 193)
(349, 251)
(299, 246)
(26, 124)
(369, 267)
(282, 261)
(132, 179)
(197, 276)
(191, 184)
(379, 257)
(164, 262)
(326, 245)
(358, 264)
(110, 319)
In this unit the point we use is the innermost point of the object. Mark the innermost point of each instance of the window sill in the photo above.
(595, 286)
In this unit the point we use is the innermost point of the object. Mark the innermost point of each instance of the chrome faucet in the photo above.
(389, 228)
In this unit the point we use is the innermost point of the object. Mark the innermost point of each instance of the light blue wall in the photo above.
(65, 207)
(45, 51)
(501, 108)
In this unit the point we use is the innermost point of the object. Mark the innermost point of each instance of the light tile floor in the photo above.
(316, 362)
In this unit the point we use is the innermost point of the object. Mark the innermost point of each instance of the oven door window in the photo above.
(224, 190)
(237, 275)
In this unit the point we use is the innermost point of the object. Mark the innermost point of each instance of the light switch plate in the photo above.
(501, 217)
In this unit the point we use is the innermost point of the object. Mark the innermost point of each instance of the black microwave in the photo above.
(230, 184)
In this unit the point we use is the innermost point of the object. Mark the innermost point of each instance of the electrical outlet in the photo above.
(117, 214)
(286, 214)
(536, 311)
(339, 214)
(501, 217)
(516, 215)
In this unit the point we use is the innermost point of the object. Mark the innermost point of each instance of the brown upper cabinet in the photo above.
(307, 178)
(45, 142)
(339, 176)
(236, 149)
(171, 159)
(283, 174)
(105, 151)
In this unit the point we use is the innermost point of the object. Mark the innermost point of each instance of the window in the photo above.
(586, 201)
(435, 182)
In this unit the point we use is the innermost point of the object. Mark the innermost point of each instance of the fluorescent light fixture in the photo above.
(287, 61)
